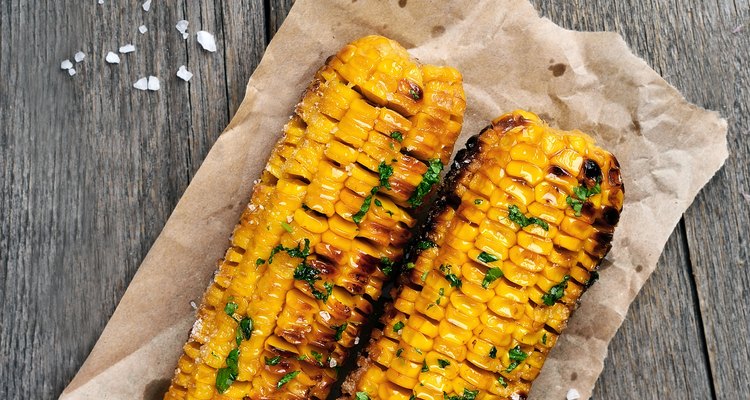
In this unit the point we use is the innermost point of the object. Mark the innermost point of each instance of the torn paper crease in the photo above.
(510, 58)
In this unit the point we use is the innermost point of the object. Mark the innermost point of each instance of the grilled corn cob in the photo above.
(518, 230)
(325, 222)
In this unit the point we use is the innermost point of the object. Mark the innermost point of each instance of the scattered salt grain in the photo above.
(193, 305)
(66, 64)
(153, 83)
(79, 56)
(112, 58)
(207, 41)
(325, 315)
(128, 48)
(142, 29)
(101, 2)
(356, 340)
(147, 5)
(71, 72)
(182, 26)
(573, 395)
(141, 84)
(184, 74)
(515, 396)
(333, 363)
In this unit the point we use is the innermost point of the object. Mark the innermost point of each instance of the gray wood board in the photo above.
(92, 168)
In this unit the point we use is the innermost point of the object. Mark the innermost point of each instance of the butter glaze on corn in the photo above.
(459, 338)
(318, 176)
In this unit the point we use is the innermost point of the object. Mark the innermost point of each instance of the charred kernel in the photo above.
(615, 179)
(591, 170)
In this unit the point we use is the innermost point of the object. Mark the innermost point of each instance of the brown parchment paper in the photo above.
(510, 58)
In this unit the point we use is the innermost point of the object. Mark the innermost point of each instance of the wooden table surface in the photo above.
(91, 170)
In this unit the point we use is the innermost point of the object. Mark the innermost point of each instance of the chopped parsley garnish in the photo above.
(582, 194)
(424, 275)
(425, 244)
(515, 215)
(296, 252)
(259, 262)
(487, 257)
(415, 94)
(385, 172)
(397, 135)
(399, 351)
(478, 201)
(286, 226)
(317, 356)
(491, 275)
(363, 209)
(454, 280)
(273, 361)
(230, 308)
(502, 382)
(544, 339)
(556, 292)
(286, 378)
(425, 368)
(361, 396)
(339, 331)
(430, 178)
(493, 352)
(302, 357)
(308, 274)
(443, 363)
(246, 327)
(409, 265)
(398, 326)
(386, 265)
(467, 395)
(378, 203)
(516, 356)
(238, 336)
(227, 375)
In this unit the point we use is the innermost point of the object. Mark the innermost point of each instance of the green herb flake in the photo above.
(297, 252)
(429, 179)
(491, 275)
(386, 265)
(361, 396)
(378, 203)
(425, 368)
(317, 356)
(230, 308)
(556, 292)
(286, 226)
(409, 265)
(259, 262)
(224, 379)
(363, 209)
(515, 215)
(516, 356)
(273, 361)
(454, 280)
(502, 382)
(399, 351)
(425, 244)
(443, 363)
(467, 395)
(246, 327)
(478, 201)
(238, 336)
(582, 193)
(493, 352)
(302, 357)
(398, 326)
(385, 172)
(286, 378)
(339, 331)
(544, 339)
(486, 257)
(424, 275)
(398, 136)
(593, 277)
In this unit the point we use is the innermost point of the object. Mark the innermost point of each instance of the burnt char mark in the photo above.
(329, 252)
(603, 237)
(557, 171)
(411, 89)
(367, 263)
(324, 267)
(446, 196)
(614, 177)
(592, 171)
(610, 217)
(509, 122)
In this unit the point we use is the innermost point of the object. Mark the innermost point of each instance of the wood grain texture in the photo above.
(92, 168)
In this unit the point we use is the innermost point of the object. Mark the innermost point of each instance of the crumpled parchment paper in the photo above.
(510, 58)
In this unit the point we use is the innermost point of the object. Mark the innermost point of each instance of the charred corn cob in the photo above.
(325, 222)
(518, 230)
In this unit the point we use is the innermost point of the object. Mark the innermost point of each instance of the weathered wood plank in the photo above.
(92, 168)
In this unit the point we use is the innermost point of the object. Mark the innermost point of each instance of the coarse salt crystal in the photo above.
(332, 363)
(182, 26)
(325, 315)
(251, 207)
(128, 48)
(289, 219)
(192, 304)
(573, 395)
(141, 84)
(515, 396)
(71, 72)
(66, 64)
(356, 340)
(206, 40)
(112, 58)
(101, 1)
(153, 83)
(184, 74)
(142, 29)
(147, 5)
(79, 56)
